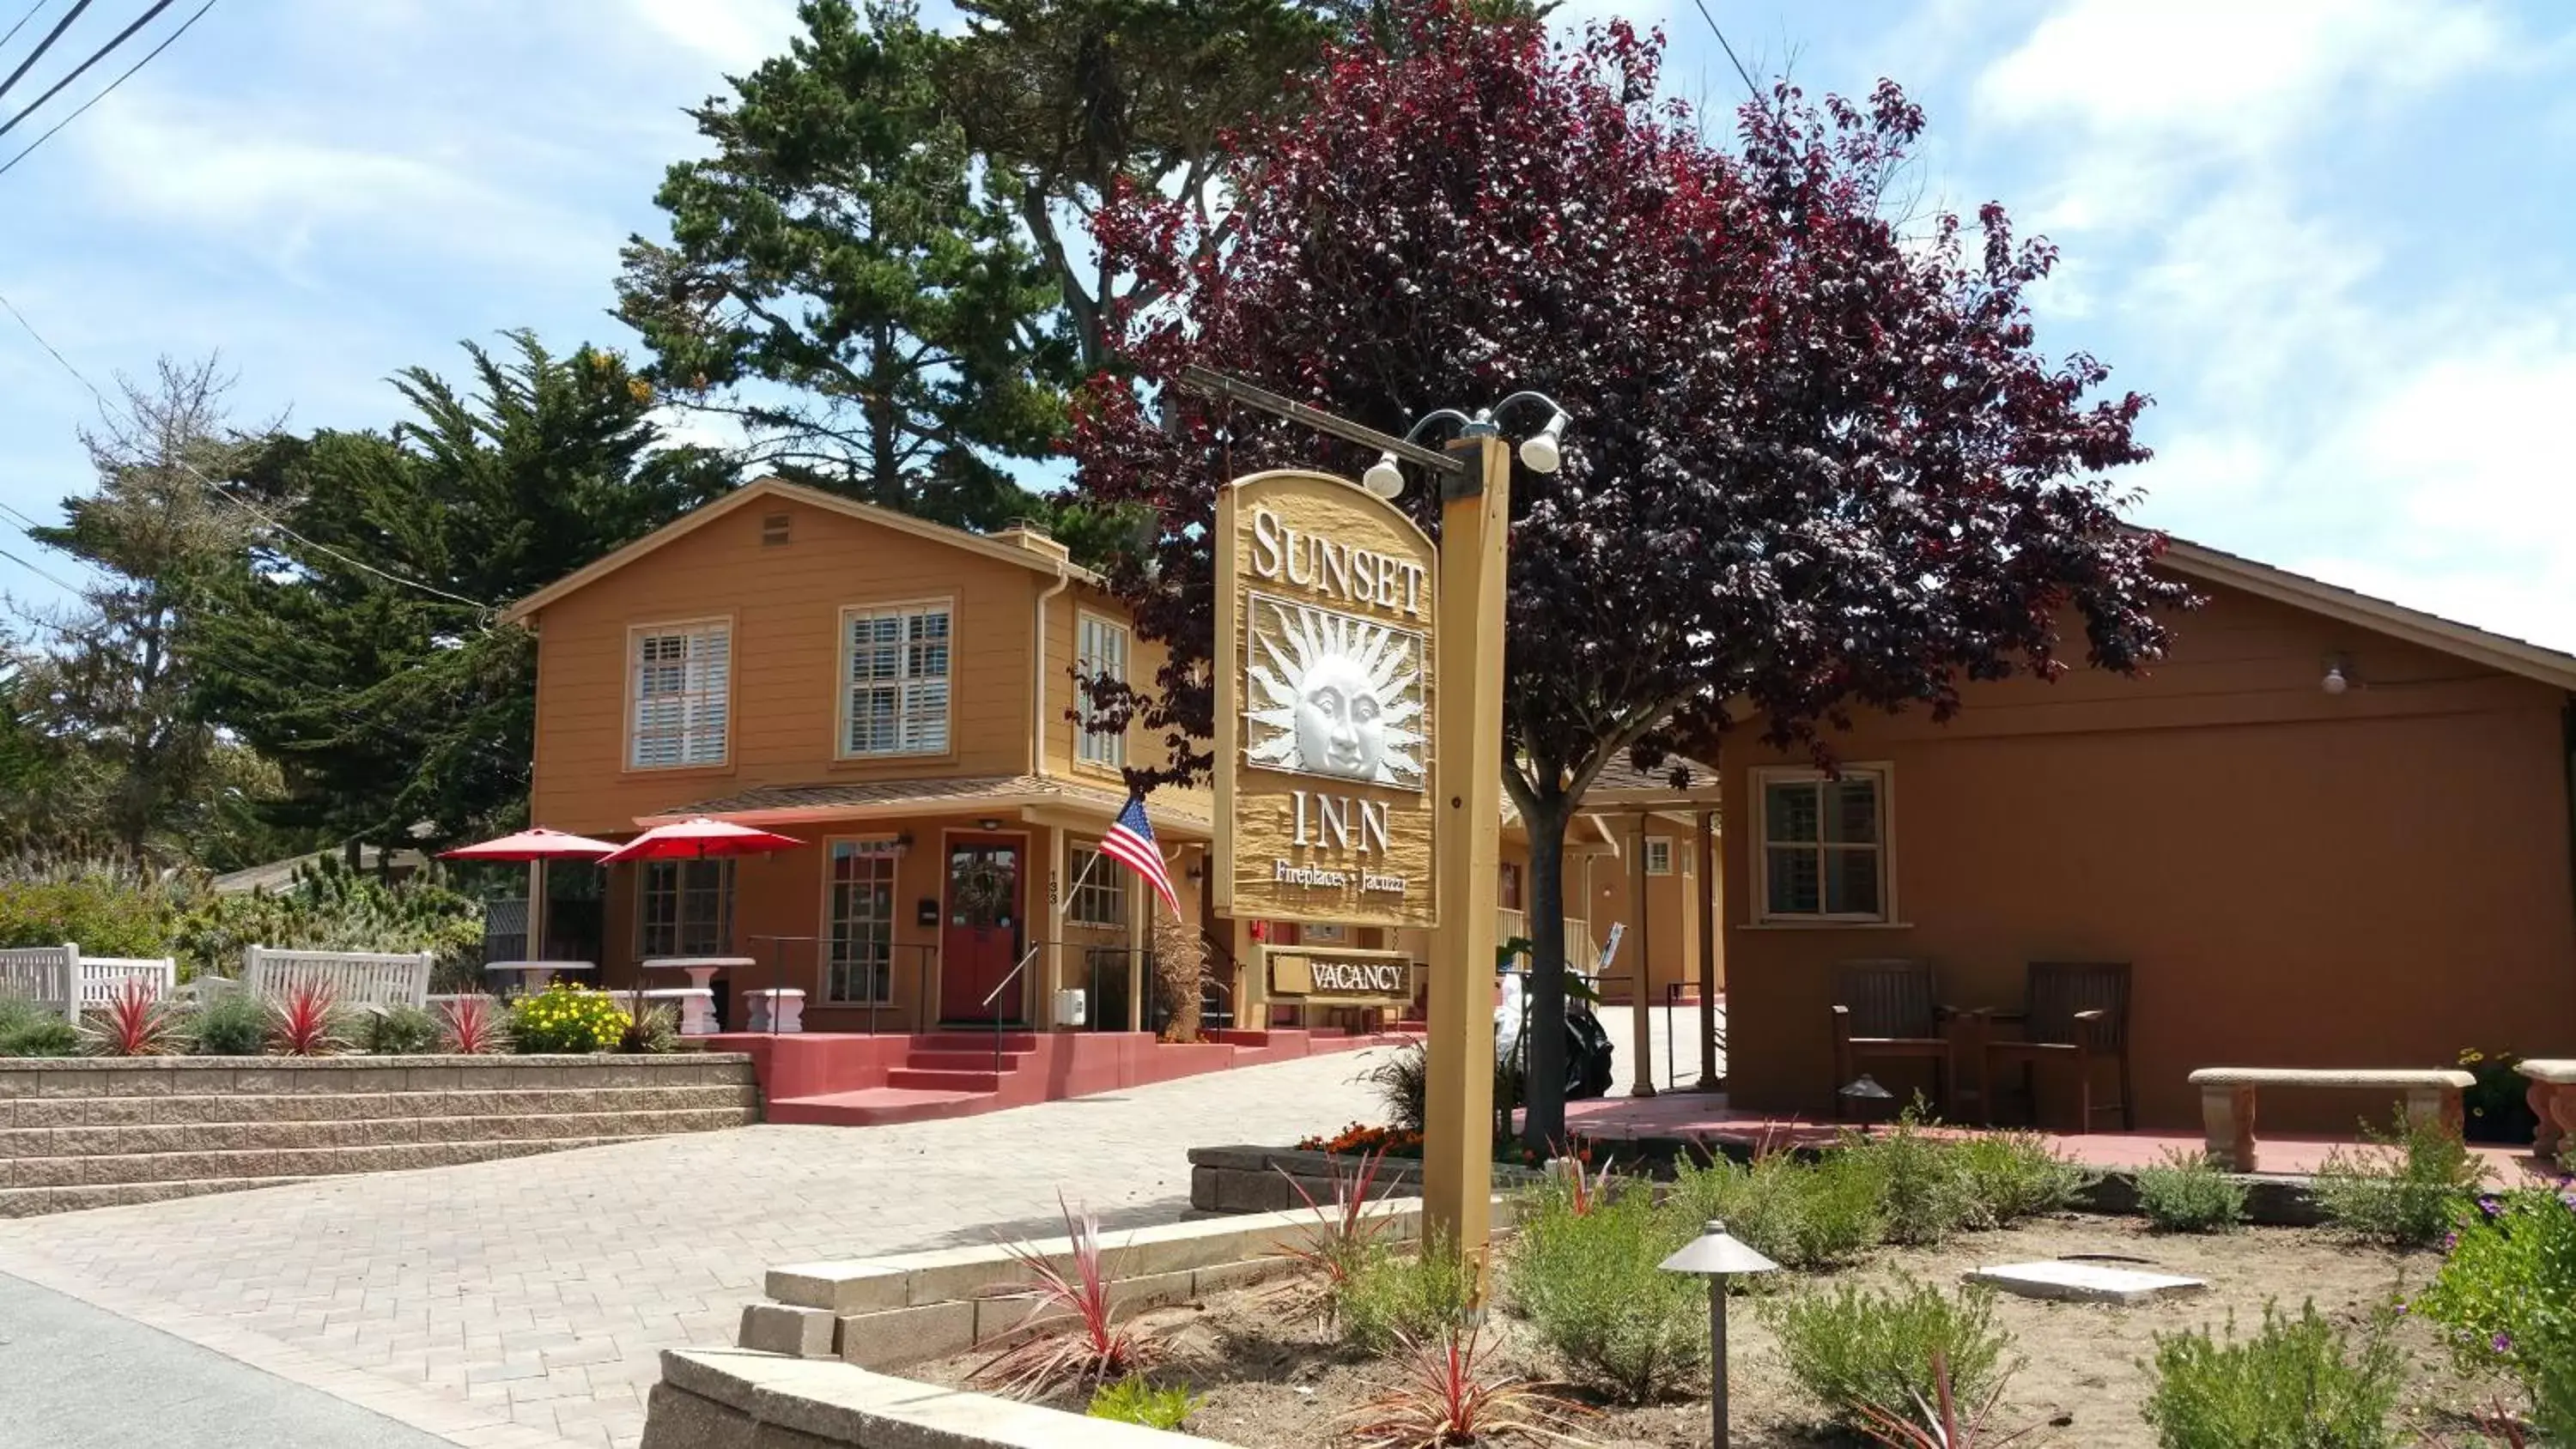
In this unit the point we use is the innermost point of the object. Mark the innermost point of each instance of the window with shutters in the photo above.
(1824, 845)
(1101, 652)
(895, 662)
(680, 685)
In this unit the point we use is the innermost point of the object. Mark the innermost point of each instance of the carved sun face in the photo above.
(1338, 695)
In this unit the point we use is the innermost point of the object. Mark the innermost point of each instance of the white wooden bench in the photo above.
(2553, 1101)
(2227, 1099)
(356, 978)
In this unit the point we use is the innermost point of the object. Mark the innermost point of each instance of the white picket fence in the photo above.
(61, 979)
(355, 978)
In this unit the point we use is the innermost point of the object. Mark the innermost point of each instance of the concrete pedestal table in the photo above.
(696, 1017)
(2553, 1101)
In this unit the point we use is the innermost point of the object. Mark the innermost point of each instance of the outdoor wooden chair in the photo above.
(1888, 1011)
(2076, 1012)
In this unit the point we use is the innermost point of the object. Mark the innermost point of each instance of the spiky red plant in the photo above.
(301, 1024)
(136, 1023)
(1340, 1244)
(1074, 1336)
(1440, 1400)
(473, 1026)
(1585, 1189)
(1938, 1424)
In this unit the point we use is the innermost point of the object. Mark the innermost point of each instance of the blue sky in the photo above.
(2331, 237)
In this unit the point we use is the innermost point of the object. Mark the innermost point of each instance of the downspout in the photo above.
(1038, 719)
(1055, 838)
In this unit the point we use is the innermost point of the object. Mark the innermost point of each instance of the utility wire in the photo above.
(149, 57)
(1749, 85)
(12, 511)
(81, 69)
(22, 22)
(211, 486)
(55, 580)
(43, 45)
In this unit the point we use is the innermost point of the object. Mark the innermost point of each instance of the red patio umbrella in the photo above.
(536, 845)
(699, 838)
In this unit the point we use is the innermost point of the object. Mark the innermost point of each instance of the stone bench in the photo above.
(2553, 1101)
(2227, 1099)
(779, 1009)
(696, 1004)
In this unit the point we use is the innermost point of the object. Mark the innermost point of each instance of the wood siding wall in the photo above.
(2374, 879)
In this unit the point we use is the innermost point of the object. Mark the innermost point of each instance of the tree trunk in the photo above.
(1544, 1127)
(1178, 963)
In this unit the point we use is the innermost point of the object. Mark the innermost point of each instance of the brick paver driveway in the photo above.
(525, 1302)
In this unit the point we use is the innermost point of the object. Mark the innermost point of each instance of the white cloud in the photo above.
(2224, 71)
(735, 34)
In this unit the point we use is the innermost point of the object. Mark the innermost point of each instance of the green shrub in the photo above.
(29, 1030)
(1851, 1347)
(1798, 1214)
(1420, 1292)
(1923, 1186)
(105, 909)
(2506, 1299)
(234, 1024)
(655, 1033)
(400, 1030)
(1592, 1289)
(2298, 1384)
(2016, 1175)
(2405, 1189)
(567, 1018)
(2186, 1192)
(1131, 1400)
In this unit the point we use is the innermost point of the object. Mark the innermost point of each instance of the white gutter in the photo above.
(1038, 721)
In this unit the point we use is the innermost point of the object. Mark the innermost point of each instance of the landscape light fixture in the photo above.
(1384, 478)
(1541, 452)
(1867, 1089)
(1717, 1256)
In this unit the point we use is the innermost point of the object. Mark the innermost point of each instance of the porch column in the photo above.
(1140, 934)
(1047, 843)
(1642, 1033)
(1708, 898)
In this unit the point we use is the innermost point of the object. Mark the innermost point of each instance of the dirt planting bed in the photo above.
(1269, 1382)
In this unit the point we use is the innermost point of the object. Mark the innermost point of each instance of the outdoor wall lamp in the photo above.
(1541, 452)
(2338, 674)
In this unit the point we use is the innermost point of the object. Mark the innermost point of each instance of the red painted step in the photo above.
(966, 1061)
(877, 1106)
(945, 1081)
(977, 1041)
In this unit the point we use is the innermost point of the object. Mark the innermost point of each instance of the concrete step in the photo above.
(957, 1061)
(915, 1079)
(26, 1143)
(954, 1040)
(364, 1106)
(242, 1076)
(92, 1169)
(877, 1107)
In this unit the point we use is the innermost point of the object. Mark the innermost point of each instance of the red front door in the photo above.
(980, 939)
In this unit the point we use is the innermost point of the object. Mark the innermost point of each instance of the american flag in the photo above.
(1130, 842)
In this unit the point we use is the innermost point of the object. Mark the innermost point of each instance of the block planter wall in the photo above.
(1265, 1179)
(90, 1132)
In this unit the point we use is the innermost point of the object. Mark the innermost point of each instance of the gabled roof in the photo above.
(785, 492)
(2479, 646)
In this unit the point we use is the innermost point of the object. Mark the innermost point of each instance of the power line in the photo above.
(1749, 85)
(82, 69)
(13, 512)
(56, 581)
(22, 22)
(148, 58)
(44, 45)
(211, 486)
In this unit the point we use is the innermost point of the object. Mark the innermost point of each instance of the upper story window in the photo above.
(896, 665)
(1101, 651)
(1659, 856)
(1824, 845)
(681, 689)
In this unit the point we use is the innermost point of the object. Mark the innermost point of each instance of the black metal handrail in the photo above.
(924, 954)
(995, 994)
